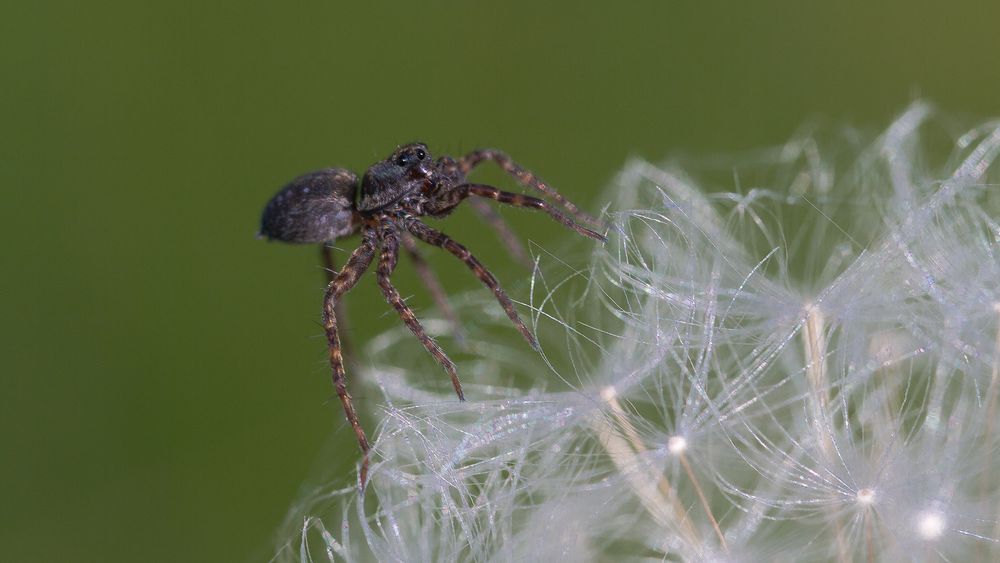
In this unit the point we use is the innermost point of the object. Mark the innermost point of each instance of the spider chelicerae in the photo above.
(324, 206)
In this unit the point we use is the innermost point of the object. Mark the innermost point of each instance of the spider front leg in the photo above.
(452, 168)
(437, 238)
(455, 196)
(526, 177)
(356, 265)
(386, 265)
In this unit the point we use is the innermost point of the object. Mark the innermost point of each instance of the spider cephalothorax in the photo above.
(325, 205)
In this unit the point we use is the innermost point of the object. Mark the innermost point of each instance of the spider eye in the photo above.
(411, 156)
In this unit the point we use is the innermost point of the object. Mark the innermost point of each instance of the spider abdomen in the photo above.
(315, 207)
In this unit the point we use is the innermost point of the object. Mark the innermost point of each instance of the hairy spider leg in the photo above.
(386, 265)
(451, 168)
(356, 265)
(526, 177)
(330, 272)
(433, 285)
(455, 196)
(439, 239)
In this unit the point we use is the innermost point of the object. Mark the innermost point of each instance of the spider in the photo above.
(323, 206)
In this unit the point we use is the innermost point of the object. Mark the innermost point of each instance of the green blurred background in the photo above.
(165, 393)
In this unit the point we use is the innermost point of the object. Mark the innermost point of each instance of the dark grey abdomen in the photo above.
(315, 207)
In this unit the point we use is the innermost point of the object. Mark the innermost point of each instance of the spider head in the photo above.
(409, 168)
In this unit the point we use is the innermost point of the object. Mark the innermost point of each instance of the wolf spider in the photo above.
(322, 206)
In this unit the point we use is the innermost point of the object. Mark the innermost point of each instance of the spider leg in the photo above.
(330, 272)
(386, 265)
(437, 238)
(356, 265)
(526, 177)
(456, 171)
(430, 280)
(459, 193)
(507, 236)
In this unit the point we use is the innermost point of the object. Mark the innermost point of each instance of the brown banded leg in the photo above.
(453, 197)
(451, 168)
(507, 236)
(330, 271)
(386, 265)
(526, 177)
(437, 238)
(432, 284)
(356, 265)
